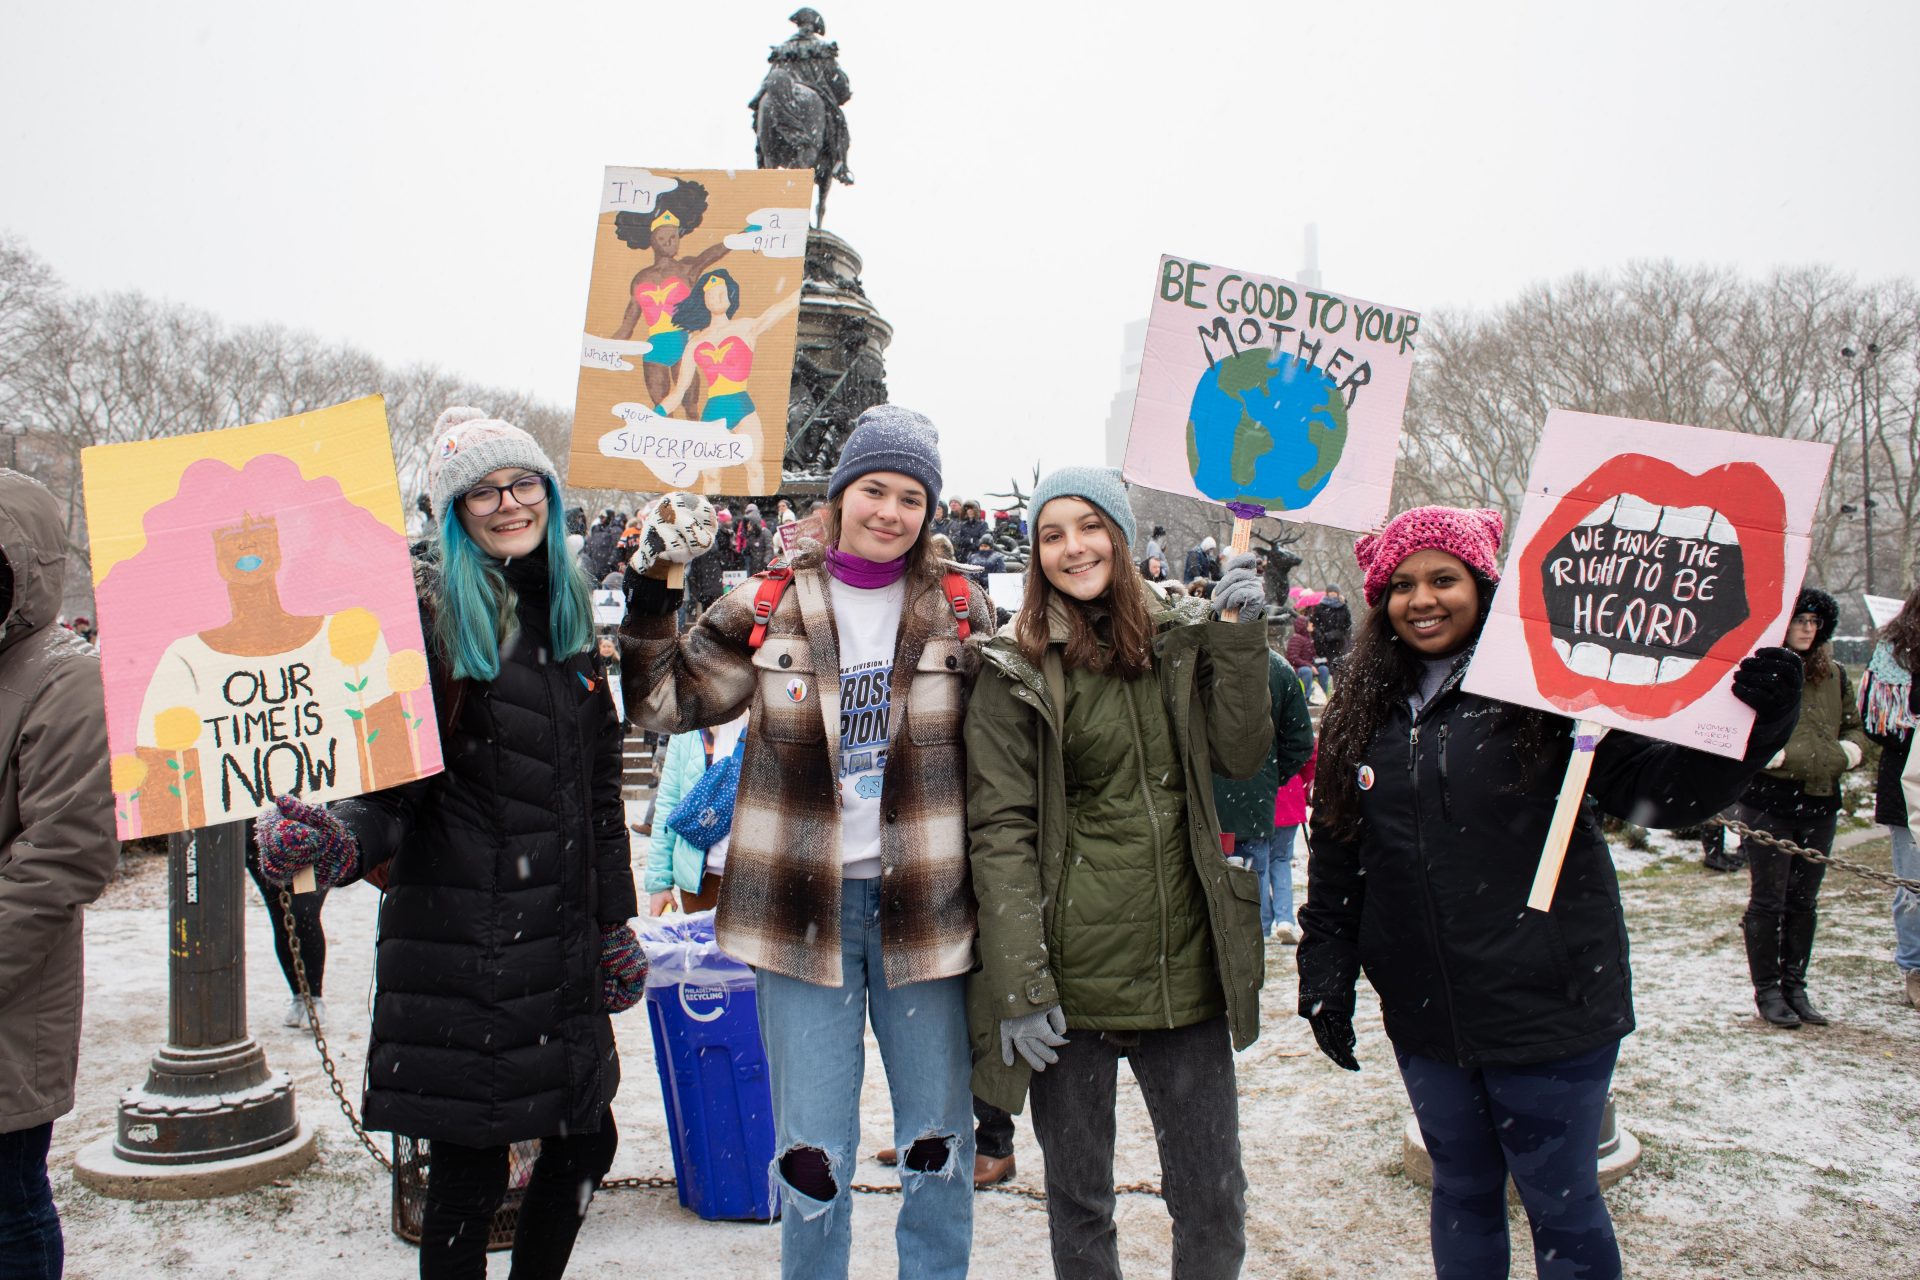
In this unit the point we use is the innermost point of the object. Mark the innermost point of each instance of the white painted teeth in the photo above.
(1590, 659)
(1633, 668)
(1674, 668)
(1685, 522)
(1596, 660)
(1635, 514)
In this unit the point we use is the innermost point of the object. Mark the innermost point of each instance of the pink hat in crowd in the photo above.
(1471, 535)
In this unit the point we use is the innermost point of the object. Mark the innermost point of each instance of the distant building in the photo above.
(1120, 416)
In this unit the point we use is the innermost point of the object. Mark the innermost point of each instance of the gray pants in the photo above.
(1186, 1077)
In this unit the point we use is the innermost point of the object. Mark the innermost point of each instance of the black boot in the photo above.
(1796, 951)
(1762, 931)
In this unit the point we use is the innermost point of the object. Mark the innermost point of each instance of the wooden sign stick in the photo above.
(303, 881)
(1586, 737)
(1244, 514)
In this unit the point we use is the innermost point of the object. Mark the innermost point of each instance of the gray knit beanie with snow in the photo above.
(888, 437)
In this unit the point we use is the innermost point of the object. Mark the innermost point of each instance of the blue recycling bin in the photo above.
(713, 1070)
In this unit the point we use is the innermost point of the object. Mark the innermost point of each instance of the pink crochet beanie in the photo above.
(1472, 535)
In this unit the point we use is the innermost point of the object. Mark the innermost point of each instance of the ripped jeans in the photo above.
(816, 1056)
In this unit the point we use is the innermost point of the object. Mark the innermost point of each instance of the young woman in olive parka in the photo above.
(1111, 924)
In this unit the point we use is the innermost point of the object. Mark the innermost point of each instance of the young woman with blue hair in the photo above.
(504, 942)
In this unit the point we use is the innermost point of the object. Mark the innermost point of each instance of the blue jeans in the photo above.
(1271, 858)
(1906, 903)
(31, 1247)
(816, 1056)
(1539, 1123)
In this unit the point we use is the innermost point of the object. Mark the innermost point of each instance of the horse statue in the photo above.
(797, 121)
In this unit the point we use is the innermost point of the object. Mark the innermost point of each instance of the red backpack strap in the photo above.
(773, 585)
(955, 585)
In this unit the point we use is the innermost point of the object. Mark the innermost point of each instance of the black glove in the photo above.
(649, 597)
(1768, 680)
(1334, 1031)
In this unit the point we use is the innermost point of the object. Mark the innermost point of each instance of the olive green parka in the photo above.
(1127, 924)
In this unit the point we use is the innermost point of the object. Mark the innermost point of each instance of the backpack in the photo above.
(773, 585)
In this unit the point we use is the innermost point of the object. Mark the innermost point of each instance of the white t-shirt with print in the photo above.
(868, 627)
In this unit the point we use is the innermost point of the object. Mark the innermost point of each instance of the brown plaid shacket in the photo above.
(780, 897)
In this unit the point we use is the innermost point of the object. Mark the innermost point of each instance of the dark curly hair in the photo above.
(687, 202)
(1379, 673)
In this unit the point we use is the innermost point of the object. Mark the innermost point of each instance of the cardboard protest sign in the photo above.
(1882, 609)
(1647, 561)
(809, 528)
(259, 631)
(1257, 391)
(692, 311)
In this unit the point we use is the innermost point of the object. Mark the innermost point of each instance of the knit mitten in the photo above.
(623, 968)
(293, 836)
(1240, 588)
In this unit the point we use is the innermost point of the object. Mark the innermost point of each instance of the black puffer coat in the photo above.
(1430, 897)
(487, 1023)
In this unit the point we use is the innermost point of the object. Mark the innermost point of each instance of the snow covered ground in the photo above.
(1767, 1152)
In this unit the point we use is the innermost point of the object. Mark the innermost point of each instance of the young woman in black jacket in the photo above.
(503, 940)
(1431, 808)
(1887, 696)
(1797, 798)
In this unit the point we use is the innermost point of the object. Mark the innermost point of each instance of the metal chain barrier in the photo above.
(654, 1182)
(320, 1037)
(1874, 874)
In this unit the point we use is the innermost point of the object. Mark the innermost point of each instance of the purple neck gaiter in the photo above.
(867, 575)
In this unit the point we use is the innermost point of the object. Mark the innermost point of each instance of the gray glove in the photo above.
(1240, 588)
(1036, 1036)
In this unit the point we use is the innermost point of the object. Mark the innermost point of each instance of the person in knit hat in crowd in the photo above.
(753, 542)
(847, 886)
(1111, 923)
(986, 559)
(1301, 657)
(1797, 797)
(58, 849)
(1888, 694)
(1431, 806)
(1246, 805)
(504, 942)
(1203, 561)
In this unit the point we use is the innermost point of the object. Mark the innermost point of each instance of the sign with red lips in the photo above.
(1647, 561)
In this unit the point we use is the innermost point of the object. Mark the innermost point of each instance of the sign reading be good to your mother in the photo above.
(1263, 392)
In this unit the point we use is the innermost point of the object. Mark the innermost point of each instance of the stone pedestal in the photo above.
(1618, 1155)
(211, 1118)
(839, 363)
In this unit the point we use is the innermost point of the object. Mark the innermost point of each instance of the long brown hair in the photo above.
(1902, 635)
(1379, 673)
(1128, 651)
(1816, 664)
(922, 560)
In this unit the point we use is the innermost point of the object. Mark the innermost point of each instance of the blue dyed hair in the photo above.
(474, 613)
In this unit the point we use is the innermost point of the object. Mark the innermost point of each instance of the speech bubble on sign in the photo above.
(633, 190)
(675, 450)
(774, 233)
(609, 353)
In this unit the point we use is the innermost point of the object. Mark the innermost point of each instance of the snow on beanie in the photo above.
(1471, 535)
(888, 437)
(1102, 486)
(468, 445)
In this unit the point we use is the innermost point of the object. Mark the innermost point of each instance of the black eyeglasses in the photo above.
(484, 499)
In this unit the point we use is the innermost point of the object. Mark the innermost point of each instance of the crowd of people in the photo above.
(1018, 848)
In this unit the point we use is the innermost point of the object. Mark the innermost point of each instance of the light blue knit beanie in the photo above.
(1102, 486)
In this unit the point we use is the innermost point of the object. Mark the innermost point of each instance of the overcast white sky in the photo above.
(420, 179)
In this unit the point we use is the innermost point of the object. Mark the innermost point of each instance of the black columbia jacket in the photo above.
(1430, 896)
(488, 1026)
